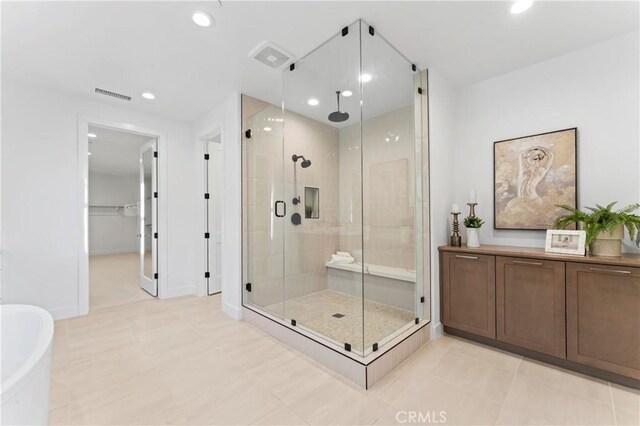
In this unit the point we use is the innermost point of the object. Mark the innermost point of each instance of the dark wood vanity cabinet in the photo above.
(469, 293)
(603, 317)
(581, 313)
(530, 304)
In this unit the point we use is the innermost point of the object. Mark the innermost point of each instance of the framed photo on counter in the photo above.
(565, 241)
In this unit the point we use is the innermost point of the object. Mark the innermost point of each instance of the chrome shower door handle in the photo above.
(284, 205)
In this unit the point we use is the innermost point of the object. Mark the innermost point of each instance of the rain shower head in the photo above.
(338, 116)
(305, 163)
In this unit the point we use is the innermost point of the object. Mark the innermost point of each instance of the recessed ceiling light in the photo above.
(520, 6)
(202, 18)
(365, 78)
(347, 93)
(149, 95)
(267, 129)
(313, 102)
(92, 135)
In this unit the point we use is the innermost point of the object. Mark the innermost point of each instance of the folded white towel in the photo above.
(343, 253)
(341, 259)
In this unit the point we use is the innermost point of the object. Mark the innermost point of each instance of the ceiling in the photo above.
(114, 152)
(131, 47)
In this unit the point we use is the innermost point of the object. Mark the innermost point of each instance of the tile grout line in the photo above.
(613, 407)
(571, 373)
(513, 377)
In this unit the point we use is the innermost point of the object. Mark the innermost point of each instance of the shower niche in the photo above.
(335, 206)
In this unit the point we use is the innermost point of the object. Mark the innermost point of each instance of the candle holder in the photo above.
(455, 240)
(472, 209)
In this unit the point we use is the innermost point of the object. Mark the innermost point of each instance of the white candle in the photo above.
(473, 196)
(455, 208)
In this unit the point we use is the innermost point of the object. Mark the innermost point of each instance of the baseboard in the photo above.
(232, 311)
(64, 312)
(114, 251)
(436, 330)
(179, 292)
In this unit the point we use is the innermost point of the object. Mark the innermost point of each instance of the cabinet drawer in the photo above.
(603, 317)
(468, 293)
(530, 304)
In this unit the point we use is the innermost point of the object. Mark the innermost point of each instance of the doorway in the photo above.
(213, 215)
(122, 217)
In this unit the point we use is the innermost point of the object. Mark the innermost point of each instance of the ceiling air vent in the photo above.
(271, 55)
(112, 94)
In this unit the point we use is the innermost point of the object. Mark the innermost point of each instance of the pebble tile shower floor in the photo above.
(339, 317)
(182, 361)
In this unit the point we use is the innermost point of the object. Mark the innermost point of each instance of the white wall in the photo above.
(595, 89)
(110, 231)
(225, 118)
(441, 140)
(40, 191)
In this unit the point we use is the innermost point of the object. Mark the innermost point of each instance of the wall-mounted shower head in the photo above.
(305, 163)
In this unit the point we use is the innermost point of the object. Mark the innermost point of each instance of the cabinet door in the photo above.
(530, 308)
(468, 293)
(603, 317)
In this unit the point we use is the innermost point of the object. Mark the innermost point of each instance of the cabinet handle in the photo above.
(613, 271)
(522, 262)
(466, 257)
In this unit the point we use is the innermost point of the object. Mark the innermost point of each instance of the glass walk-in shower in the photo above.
(335, 195)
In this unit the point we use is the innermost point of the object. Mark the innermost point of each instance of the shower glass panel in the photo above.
(323, 291)
(346, 144)
(263, 195)
(391, 176)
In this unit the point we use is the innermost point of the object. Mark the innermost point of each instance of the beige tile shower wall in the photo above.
(269, 175)
(389, 189)
(309, 245)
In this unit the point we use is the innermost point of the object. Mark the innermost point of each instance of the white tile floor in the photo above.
(114, 280)
(182, 361)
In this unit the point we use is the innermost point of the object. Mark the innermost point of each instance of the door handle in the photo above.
(460, 256)
(284, 205)
(522, 262)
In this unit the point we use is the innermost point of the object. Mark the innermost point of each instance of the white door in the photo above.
(148, 215)
(213, 206)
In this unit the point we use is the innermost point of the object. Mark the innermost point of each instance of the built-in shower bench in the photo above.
(383, 284)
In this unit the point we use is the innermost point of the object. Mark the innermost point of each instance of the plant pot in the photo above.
(608, 243)
(473, 239)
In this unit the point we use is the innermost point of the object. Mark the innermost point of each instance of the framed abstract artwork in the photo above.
(533, 174)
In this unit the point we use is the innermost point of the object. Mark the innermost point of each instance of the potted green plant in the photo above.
(604, 226)
(473, 223)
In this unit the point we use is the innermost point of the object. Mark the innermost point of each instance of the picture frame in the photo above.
(532, 175)
(565, 241)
